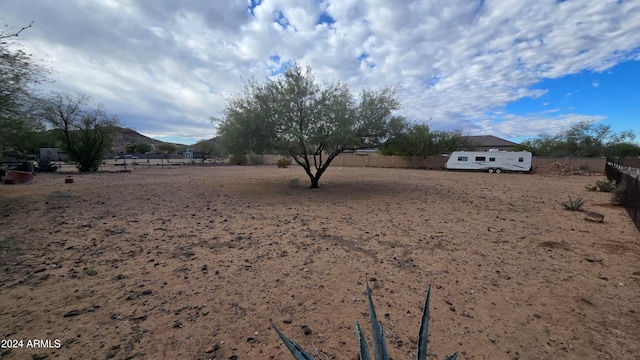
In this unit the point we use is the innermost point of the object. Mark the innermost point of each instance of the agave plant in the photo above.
(379, 342)
(574, 205)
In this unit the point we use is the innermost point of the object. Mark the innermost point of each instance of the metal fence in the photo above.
(631, 178)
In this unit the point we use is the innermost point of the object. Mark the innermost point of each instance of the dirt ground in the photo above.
(196, 262)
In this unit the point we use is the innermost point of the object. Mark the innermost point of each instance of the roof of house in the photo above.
(488, 140)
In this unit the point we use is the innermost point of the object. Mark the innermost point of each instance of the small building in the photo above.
(484, 143)
(190, 154)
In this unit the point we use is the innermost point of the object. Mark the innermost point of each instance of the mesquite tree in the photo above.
(85, 131)
(293, 115)
(19, 72)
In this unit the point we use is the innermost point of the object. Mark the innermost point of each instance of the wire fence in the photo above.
(630, 178)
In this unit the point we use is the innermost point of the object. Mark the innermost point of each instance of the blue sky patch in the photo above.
(325, 19)
(614, 93)
(252, 5)
(281, 19)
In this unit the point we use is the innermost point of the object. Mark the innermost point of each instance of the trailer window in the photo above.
(481, 158)
(462, 158)
(492, 159)
(520, 159)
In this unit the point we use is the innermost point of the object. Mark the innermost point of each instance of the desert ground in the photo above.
(197, 262)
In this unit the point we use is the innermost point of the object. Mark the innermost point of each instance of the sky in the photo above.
(509, 68)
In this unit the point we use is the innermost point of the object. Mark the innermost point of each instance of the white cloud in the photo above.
(165, 63)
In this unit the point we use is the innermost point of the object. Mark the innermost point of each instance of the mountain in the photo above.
(126, 137)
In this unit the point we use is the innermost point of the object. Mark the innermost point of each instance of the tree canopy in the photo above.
(420, 140)
(85, 131)
(137, 148)
(293, 115)
(208, 147)
(19, 72)
(167, 148)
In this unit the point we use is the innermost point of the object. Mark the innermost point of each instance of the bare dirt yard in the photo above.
(196, 262)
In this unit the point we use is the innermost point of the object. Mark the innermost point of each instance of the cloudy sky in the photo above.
(510, 68)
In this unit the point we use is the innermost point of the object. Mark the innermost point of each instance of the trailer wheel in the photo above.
(490, 171)
(498, 171)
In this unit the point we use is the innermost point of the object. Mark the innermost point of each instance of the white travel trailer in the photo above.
(491, 161)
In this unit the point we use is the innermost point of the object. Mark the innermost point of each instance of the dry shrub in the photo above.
(283, 162)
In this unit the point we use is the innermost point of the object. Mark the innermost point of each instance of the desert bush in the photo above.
(379, 342)
(90, 271)
(574, 205)
(619, 194)
(606, 186)
(591, 187)
(283, 162)
(238, 159)
(255, 159)
(45, 165)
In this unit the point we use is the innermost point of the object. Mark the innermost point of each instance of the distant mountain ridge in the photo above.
(126, 136)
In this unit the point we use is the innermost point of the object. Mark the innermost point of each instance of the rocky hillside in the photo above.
(128, 136)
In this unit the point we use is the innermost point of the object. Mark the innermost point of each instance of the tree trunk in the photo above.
(316, 178)
(314, 182)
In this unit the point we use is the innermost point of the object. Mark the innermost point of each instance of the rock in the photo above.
(594, 217)
(306, 329)
(213, 348)
(72, 313)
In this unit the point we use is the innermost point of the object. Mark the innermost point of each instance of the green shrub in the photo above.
(591, 187)
(574, 205)
(90, 271)
(283, 162)
(379, 342)
(238, 159)
(606, 186)
(255, 159)
(45, 165)
(619, 194)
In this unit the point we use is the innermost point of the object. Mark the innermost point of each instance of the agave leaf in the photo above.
(423, 335)
(453, 357)
(379, 343)
(363, 348)
(385, 354)
(296, 350)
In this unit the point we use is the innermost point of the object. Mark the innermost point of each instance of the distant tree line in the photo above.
(420, 140)
(584, 139)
